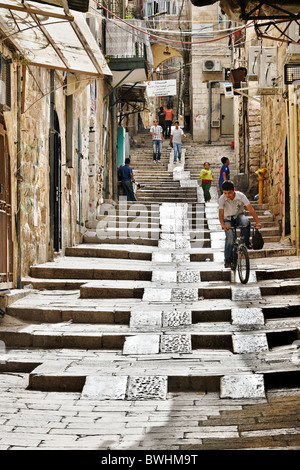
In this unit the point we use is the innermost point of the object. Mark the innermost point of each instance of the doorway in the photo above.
(6, 246)
(287, 209)
(55, 184)
(227, 126)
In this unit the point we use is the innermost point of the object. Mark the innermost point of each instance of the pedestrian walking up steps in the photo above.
(149, 313)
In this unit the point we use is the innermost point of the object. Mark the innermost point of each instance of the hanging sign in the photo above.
(161, 88)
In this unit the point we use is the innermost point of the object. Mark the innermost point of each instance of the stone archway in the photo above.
(162, 53)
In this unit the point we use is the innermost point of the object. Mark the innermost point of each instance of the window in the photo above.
(5, 83)
(153, 7)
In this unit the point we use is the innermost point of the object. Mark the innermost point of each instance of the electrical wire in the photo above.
(171, 40)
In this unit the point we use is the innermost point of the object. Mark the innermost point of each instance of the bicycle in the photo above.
(240, 256)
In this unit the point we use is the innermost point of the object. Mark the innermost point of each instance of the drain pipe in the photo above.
(209, 105)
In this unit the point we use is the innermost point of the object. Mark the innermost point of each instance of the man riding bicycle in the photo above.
(231, 213)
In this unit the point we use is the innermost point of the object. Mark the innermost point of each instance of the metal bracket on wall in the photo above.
(117, 85)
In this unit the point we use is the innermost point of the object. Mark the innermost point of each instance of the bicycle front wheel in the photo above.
(243, 264)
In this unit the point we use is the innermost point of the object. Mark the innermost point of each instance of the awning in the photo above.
(47, 36)
(78, 5)
(244, 10)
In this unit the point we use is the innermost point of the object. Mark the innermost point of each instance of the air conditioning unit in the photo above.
(254, 52)
(212, 65)
(267, 69)
(293, 50)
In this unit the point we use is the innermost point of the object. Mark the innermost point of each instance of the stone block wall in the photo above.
(273, 152)
(35, 169)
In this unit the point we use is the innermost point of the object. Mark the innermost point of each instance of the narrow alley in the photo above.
(124, 325)
(139, 338)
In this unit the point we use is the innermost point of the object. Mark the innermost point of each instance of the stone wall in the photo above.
(35, 169)
(273, 152)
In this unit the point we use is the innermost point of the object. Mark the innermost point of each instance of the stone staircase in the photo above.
(142, 325)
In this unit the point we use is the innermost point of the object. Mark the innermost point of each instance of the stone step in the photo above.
(152, 386)
(110, 251)
(182, 292)
(45, 336)
(145, 272)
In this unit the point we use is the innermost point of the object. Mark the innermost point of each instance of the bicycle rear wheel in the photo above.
(243, 264)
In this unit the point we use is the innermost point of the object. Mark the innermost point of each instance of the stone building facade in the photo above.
(267, 127)
(58, 134)
(209, 62)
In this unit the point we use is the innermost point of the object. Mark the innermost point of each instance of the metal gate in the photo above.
(6, 248)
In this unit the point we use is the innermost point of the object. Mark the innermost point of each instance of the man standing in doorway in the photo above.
(168, 120)
(175, 141)
(157, 140)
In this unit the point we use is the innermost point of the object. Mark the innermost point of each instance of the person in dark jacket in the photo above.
(127, 179)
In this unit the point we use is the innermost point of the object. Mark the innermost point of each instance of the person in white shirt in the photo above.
(157, 139)
(175, 141)
(231, 213)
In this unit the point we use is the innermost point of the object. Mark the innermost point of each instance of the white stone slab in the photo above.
(245, 293)
(184, 294)
(212, 215)
(161, 257)
(182, 242)
(218, 256)
(249, 343)
(177, 318)
(181, 258)
(242, 386)
(147, 388)
(141, 344)
(145, 319)
(164, 276)
(217, 244)
(166, 244)
(167, 236)
(157, 295)
(247, 316)
(188, 276)
(217, 236)
(188, 183)
(105, 387)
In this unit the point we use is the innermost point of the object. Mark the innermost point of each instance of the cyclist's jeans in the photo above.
(239, 220)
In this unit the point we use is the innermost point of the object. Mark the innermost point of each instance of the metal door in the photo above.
(6, 247)
(226, 116)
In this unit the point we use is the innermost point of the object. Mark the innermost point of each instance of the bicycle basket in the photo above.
(257, 240)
